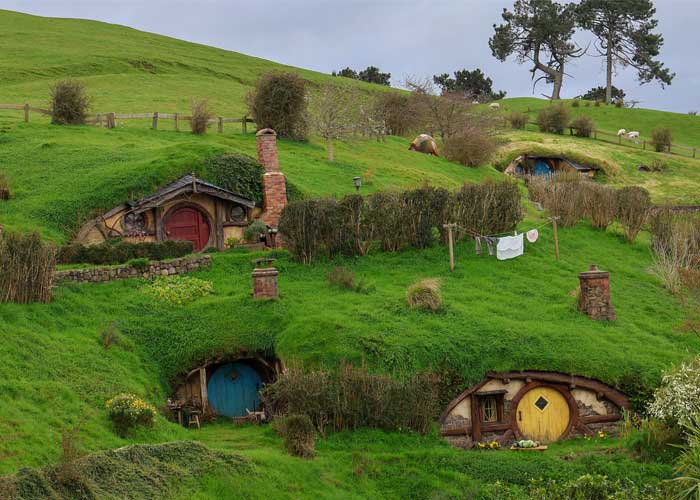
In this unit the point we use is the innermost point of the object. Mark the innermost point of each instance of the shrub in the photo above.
(588, 104)
(201, 114)
(597, 103)
(279, 102)
(677, 399)
(583, 126)
(236, 172)
(661, 139)
(553, 119)
(600, 204)
(111, 336)
(651, 439)
(232, 242)
(4, 188)
(537, 187)
(127, 411)
(576, 103)
(26, 268)
(350, 398)
(398, 112)
(473, 146)
(518, 120)
(564, 198)
(122, 251)
(254, 230)
(299, 435)
(425, 295)
(591, 487)
(178, 289)
(632, 205)
(140, 263)
(687, 482)
(342, 277)
(675, 244)
(69, 103)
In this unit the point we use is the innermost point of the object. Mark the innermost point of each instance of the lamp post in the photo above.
(357, 181)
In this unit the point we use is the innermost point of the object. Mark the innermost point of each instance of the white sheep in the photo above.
(621, 132)
(633, 136)
(494, 105)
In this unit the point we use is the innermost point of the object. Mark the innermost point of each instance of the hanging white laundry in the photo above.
(510, 247)
(532, 235)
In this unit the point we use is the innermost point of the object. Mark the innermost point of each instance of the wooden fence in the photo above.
(600, 135)
(109, 120)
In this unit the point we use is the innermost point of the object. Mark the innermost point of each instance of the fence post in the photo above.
(221, 125)
(244, 124)
(99, 120)
(26, 113)
(177, 124)
(693, 152)
(111, 120)
(644, 145)
(595, 134)
(155, 120)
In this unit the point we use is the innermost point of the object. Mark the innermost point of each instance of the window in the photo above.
(134, 222)
(237, 213)
(489, 409)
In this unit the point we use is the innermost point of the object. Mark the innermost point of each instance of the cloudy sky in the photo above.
(403, 37)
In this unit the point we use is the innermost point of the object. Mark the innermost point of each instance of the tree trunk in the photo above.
(608, 88)
(329, 147)
(558, 82)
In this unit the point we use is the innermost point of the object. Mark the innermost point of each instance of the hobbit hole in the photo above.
(539, 165)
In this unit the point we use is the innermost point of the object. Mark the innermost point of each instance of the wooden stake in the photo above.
(556, 237)
(26, 113)
(244, 124)
(450, 242)
(203, 388)
(221, 125)
(177, 123)
(155, 120)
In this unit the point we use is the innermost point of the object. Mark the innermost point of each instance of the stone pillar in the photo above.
(594, 299)
(265, 281)
(274, 183)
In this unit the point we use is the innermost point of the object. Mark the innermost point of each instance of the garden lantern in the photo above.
(358, 183)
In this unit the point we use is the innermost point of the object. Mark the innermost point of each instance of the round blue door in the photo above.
(542, 168)
(233, 388)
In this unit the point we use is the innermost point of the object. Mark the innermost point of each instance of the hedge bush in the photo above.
(553, 119)
(518, 120)
(583, 126)
(70, 103)
(201, 114)
(279, 102)
(299, 435)
(394, 220)
(108, 253)
(350, 398)
(127, 411)
(425, 295)
(661, 138)
(236, 172)
(473, 147)
(26, 268)
(601, 204)
(632, 205)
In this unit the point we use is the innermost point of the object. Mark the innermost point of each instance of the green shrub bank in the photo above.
(122, 251)
(238, 173)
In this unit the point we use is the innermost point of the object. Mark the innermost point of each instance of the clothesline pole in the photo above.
(450, 242)
(556, 237)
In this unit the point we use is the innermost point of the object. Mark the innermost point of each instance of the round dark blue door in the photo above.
(234, 388)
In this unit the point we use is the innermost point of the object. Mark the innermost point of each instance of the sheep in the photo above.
(621, 132)
(495, 105)
(633, 136)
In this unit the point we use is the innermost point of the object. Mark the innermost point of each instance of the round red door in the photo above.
(189, 224)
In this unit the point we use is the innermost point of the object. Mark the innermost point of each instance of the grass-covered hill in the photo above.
(519, 314)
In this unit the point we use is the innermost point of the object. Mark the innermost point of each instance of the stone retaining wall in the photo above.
(155, 268)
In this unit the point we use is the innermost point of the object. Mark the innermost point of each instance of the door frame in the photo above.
(196, 206)
(562, 389)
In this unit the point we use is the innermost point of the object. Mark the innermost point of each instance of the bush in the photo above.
(232, 242)
(591, 487)
(178, 289)
(127, 411)
(254, 230)
(619, 103)
(140, 263)
(350, 398)
(4, 188)
(299, 435)
(201, 114)
(425, 295)
(536, 187)
(279, 102)
(675, 244)
(632, 205)
(687, 482)
(583, 126)
(564, 198)
(600, 204)
(661, 139)
(553, 119)
(236, 172)
(473, 147)
(342, 277)
(111, 336)
(652, 439)
(597, 103)
(677, 399)
(26, 268)
(398, 112)
(70, 103)
(108, 253)
(576, 103)
(518, 120)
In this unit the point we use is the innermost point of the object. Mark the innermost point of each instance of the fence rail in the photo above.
(600, 135)
(109, 120)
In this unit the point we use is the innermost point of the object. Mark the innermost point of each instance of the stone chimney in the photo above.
(594, 299)
(274, 185)
(265, 280)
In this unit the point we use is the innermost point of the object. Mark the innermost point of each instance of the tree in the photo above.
(347, 73)
(333, 114)
(598, 94)
(373, 75)
(624, 36)
(278, 101)
(539, 31)
(474, 85)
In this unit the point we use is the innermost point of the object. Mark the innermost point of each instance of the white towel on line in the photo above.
(510, 247)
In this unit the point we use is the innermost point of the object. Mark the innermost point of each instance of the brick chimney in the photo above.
(265, 280)
(274, 185)
(594, 299)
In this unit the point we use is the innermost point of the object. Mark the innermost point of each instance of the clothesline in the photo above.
(477, 235)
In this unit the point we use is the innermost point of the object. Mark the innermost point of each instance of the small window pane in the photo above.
(237, 213)
(490, 409)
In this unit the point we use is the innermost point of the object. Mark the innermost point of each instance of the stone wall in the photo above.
(155, 268)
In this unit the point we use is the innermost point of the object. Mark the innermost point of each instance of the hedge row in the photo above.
(394, 220)
(122, 251)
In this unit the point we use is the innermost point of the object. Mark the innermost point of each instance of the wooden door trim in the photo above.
(562, 389)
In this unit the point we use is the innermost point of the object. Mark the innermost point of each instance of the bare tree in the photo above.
(333, 114)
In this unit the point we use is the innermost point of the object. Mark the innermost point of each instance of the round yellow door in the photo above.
(543, 415)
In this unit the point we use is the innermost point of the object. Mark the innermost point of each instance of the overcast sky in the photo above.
(403, 37)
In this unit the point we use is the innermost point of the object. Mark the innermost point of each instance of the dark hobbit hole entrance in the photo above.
(233, 390)
(189, 224)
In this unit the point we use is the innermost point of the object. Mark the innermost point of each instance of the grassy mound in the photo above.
(133, 472)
